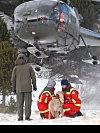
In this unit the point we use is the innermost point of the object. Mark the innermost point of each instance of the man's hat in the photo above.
(64, 82)
(22, 56)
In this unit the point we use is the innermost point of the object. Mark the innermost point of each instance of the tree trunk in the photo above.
(3, 99)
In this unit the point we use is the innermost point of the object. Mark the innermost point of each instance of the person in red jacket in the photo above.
(44, 98)
(72, 102)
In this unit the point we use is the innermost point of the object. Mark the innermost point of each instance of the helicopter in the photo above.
(51, 27)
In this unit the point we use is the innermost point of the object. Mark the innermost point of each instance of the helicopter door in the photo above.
(55, 14)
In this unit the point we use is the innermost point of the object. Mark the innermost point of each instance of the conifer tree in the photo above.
(7, 59)
(4, 34)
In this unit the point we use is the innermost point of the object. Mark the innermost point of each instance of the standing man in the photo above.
(72, 102)
(23, 77)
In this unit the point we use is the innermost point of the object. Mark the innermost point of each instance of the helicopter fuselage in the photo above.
(47, 24)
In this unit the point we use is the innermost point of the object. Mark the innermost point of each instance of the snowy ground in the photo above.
(91, 117)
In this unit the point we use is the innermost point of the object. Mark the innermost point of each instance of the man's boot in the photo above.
(20, 119)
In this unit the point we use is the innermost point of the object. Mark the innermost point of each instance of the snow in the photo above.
(90, 117)
(74, 76)
(7, 20)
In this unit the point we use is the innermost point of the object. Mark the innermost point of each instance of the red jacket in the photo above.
(72, 97)
(44, 98)
(72, 102)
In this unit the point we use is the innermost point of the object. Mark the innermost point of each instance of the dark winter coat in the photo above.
(23, 77)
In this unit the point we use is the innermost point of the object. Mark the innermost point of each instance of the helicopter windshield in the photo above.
(65, 8)
(55, 13)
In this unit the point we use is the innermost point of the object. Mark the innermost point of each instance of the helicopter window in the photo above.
(65, 8)
(54, 14)
(73, 19)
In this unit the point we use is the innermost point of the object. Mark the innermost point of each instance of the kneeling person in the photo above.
(72, 102)
(44, 98)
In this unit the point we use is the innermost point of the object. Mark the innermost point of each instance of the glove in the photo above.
(34, 87)
(14, 91)
(66, 101)
(57, 96)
